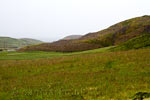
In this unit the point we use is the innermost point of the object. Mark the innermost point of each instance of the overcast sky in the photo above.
(53, 19)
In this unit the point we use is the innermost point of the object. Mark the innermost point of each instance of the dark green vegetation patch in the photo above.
(141, 96)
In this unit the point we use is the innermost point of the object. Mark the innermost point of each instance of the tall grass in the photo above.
(95, 76)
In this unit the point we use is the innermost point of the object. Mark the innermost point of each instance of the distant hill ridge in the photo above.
(112, 36)
(8, 42)
(72, 37)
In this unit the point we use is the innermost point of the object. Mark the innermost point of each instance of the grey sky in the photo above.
(53, 19)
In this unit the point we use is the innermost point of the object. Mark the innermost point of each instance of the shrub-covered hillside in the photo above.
(114, 35)
(142, 41)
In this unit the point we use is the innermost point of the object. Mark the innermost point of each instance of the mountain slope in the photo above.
(8, 42)
(114, 35)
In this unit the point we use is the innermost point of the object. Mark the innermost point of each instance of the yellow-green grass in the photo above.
(93, 76)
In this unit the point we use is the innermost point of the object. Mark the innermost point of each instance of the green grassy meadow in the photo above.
(13, 55)
(89, 75)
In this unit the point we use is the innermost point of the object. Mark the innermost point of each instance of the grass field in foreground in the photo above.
(93, 76)
(39, 54)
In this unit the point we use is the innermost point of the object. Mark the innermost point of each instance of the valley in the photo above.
(112, 64)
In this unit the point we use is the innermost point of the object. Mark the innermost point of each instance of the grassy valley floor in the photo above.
(90, 75)
(40, 54)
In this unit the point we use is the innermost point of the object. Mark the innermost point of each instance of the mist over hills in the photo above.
(112, 36)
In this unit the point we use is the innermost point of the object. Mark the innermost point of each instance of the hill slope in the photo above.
(31, 41)
(114, 35)
(8, 42)
(142, 41)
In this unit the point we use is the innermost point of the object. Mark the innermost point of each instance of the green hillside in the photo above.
(30, 41)
(142, 41)
(112, 36)
(8, 42)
